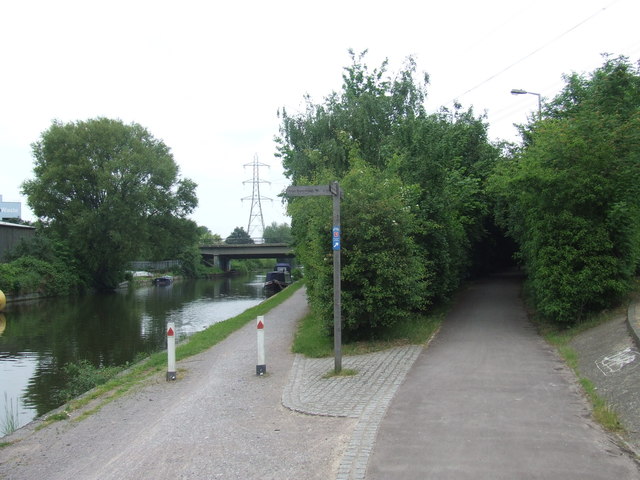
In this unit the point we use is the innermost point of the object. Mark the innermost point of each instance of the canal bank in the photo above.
(43, 335)
(135, 282)
(218, 420)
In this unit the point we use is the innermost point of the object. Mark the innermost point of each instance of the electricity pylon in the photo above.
(255, 214)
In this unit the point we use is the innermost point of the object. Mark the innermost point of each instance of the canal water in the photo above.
(38, 338)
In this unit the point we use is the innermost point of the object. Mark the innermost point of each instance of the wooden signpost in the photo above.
(331, 190)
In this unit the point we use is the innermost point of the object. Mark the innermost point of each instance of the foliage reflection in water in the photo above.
(40, 337)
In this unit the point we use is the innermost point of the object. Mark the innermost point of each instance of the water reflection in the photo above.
(40, 337)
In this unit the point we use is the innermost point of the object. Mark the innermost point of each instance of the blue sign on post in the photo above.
(336, 238)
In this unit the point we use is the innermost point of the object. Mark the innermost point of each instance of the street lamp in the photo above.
(519, 91)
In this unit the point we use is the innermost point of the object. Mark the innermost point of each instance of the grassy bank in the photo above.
(603, 413)
(313, 341)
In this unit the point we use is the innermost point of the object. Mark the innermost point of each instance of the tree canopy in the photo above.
(111, 191)
(206, 237)
(414, 203)
(571, 197)
(277, 233)
(239, 236)
(568, 197)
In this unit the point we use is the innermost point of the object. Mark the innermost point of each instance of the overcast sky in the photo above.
(209, 77)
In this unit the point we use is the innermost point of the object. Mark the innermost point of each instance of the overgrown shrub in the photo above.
(40, 265)
(81, 377)
(571, 197)
(31, 275)
(381, 265)
(414, 205)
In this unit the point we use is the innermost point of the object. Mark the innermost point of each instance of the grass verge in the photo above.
(603, 413)
(345, 372)
(157, 362)
(311, 338)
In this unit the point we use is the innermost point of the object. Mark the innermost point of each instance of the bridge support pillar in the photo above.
(223, 262)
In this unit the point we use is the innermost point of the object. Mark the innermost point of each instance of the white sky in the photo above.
(208, 77)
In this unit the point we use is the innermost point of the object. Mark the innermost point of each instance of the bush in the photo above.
(81, 377)
(571, 269)
(31, 275)
(571, 197)
(381, 264)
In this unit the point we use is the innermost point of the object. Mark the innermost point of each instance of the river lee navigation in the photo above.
(41, 337)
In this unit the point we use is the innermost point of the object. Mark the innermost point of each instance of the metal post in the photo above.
(539, 106)
(337, 287)
(520, 91)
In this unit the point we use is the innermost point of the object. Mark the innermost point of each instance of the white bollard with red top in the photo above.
(171, 351)
(261, 367)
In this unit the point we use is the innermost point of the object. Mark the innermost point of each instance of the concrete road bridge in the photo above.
(221, 255)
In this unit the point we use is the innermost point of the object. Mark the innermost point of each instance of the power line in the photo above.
(553, 40)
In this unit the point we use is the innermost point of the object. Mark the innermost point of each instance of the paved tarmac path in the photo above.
(489, 399)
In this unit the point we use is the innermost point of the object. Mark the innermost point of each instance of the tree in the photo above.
(239, 236)
(275, 233)
(41, 264)
(365, 113)
(571, 198)
(111, 191)
(171, 235)
(429, 171)
(448, 156)
(206, 237)
(383, 276)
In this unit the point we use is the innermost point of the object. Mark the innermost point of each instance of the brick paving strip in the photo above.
(364, 396)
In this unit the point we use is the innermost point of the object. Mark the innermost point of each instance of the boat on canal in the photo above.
(163, 281)
(278, 279)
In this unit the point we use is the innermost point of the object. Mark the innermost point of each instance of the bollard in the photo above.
(171, 351)
(261, 367)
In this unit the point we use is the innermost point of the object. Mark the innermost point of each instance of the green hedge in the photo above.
(31, 275)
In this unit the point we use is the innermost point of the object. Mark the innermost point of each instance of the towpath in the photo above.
(218, 420)
(488, 399)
